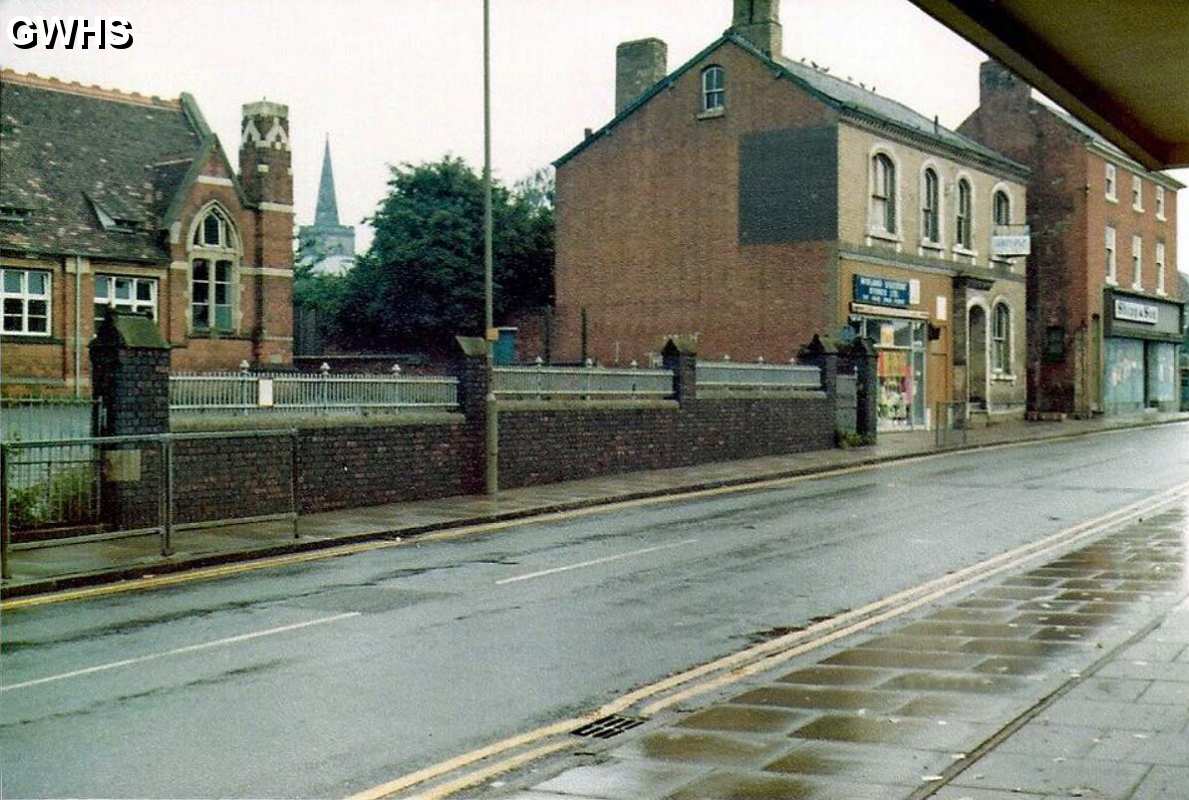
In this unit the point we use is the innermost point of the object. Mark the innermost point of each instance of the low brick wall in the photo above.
(362, 465)
(539, 444)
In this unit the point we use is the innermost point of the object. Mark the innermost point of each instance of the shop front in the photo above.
(881, 312)
(1140, 352)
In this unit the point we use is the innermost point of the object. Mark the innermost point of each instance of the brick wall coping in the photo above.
(513, 406)
(218, 423)
(727, 393)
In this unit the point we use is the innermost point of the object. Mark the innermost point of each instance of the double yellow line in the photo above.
(754, 660)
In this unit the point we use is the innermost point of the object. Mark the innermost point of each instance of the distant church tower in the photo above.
(327, 245)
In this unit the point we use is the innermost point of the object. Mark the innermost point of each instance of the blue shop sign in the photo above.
(881, 291)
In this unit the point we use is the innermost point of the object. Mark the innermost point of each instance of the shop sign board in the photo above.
(1011, 240)
(881, 291)
(1134, 311)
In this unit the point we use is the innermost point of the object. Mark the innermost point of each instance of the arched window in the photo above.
(883, 192)
(714, 92)
(1001, 339)
(965, 216)
(214, 257)
(931, 209)
(1002, 208)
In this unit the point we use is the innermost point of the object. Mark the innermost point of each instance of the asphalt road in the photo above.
(329, 677)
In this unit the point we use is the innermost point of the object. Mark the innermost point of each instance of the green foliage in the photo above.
(422, 279)
(50, 500)
(323, 293)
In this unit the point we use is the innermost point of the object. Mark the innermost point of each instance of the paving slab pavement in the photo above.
(1069, 678)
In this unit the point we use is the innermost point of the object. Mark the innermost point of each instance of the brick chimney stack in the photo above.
(758, 21)
(638, 65)
(265, 160)
(997, 85)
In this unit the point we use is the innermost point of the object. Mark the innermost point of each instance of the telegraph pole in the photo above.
(491, 432)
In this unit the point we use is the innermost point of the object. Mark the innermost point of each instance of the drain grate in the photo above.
(607, 727)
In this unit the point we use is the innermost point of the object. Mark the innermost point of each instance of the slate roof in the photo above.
(75, 157)
(842, 95)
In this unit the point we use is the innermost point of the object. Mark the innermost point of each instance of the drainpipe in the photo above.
(78, 324)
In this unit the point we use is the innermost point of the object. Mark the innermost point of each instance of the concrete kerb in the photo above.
(170, 566)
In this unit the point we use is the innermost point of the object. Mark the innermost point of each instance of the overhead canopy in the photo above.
(1120, 67)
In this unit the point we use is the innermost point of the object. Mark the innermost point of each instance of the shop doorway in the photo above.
(976, 357)
(900, 369)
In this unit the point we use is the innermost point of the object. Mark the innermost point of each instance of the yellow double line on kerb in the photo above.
(754, 660)
(150, 582)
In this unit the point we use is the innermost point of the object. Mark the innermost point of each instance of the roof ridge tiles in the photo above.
(94, 90)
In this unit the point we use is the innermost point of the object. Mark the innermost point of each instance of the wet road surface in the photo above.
(1069, 679)
(330, 677)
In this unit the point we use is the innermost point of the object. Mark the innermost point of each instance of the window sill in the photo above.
(1109, 281)
(29, 338)
(713, 113)
(937, 248)
(1161, 218)
(1140, 209)
(1003, 377)
(1112, 199)
(882, 235)
(207, 333)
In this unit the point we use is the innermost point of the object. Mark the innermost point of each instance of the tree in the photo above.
(422, 278)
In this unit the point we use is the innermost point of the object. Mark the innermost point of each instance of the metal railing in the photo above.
(47, 484)
(46, 418)
(324, 393)
(950, 423)
(590, 383)
(758, 377)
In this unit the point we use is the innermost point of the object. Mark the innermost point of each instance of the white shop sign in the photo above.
(1133, 311)
(1011, 245)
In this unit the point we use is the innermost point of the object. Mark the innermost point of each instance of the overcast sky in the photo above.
(392, 81)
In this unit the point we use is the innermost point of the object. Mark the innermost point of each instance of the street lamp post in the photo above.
(491, 432)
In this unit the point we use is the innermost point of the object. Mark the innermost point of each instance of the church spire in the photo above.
(327, 212)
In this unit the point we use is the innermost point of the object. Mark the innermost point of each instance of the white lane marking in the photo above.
(243, 637)
(593, 561)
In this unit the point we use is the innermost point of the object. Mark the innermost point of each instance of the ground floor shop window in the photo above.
(900, 369)
(1138, 374)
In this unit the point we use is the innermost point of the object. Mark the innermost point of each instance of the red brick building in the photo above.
(1105, 311)
(109, 198)
(754, 201)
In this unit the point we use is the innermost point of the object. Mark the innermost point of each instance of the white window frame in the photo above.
(1112, 182)
(1001, 360)
(877, 223)
(25, 297)
(1137, 262)
(134, 304)
(1137, 193)
(1160, 204)
(714, 98)
(228, 250)
(1160, 278)
(1112, 255)
(935, 241)
(966, 248)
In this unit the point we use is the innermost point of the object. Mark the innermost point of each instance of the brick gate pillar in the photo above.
(861, 354)
(681, 356)
(130, 363)
(474, 383)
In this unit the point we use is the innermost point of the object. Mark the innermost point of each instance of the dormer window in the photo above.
(714, 93)
(14, 214)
